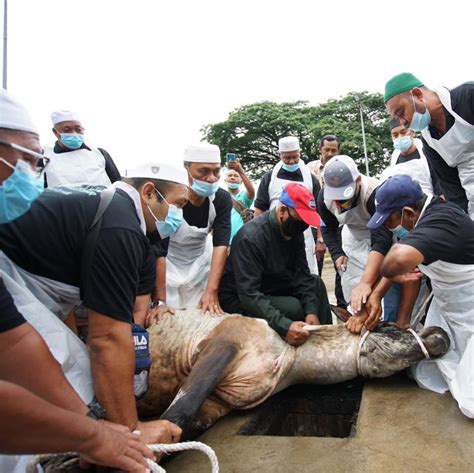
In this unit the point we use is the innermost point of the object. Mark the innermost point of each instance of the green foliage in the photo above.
(253, 131)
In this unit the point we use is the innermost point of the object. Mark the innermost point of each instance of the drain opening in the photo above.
(309, 411)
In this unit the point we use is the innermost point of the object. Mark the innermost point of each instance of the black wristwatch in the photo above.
(96, 411)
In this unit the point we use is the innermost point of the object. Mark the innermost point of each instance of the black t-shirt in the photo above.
(262, 202)
(48, 241)
(404, 159)
(9, 316)
(199, 216)
(160, 247)
(444, 232)
(462, 102)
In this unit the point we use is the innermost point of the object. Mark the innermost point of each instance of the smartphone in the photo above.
(231, 157)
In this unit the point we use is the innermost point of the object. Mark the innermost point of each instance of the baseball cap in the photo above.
(301, 199)
(340, 175)
(395, 193)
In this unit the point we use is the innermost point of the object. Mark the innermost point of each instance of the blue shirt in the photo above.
(236, 220)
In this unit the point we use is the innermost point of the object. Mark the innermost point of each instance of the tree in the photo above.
(253, 131)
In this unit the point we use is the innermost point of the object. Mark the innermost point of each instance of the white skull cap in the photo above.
(13, 115)
(202, 153)
(288, 143)
(164, 172)
(64, 116)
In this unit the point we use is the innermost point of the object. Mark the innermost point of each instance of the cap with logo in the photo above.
(340, 175)
(301, 199)
(288, 143)
(394, 194)
(164, 172)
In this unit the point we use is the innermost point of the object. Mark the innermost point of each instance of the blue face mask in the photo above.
(204, 189)
(419, 120)
(173, 220)
(19, 191)
(291, 167)
(72, 140)
(403, 144)
(233, 185)
(400, 231)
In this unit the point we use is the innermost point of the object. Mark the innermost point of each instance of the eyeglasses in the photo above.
(37, 161)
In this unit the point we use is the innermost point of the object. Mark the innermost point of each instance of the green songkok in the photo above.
(400, 83)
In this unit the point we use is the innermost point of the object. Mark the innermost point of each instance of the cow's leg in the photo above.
(211, 366)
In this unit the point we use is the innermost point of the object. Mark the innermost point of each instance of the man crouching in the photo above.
(267, 275)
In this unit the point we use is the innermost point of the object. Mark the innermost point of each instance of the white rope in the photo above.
(420, 342)
(179, 447)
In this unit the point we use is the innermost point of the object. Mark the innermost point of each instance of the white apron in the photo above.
(417, 169)
(274, 190)
(452, 309)
(76, 168)
(33, 295)
(456, 147)
(188, 263)
(355, 235)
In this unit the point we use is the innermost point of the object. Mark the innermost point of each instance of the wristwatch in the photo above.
(96, 411)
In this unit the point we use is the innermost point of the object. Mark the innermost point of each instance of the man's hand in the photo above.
(374, 311)
(312, 319)
(320, 250)
(210, 301)
(341, 263)
(155, 314)
(355, 323)
(115, 448)
(236, 166)
(414, 275)
(296, 334)
(359, 296)
(159, 431)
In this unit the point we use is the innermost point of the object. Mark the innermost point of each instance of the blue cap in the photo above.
(394, 194)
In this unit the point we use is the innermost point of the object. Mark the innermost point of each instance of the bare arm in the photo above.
(400, 260)
(369, 277)
(113, 367)
(25, 360)
(237, 166)
(160, 284)
(209, 300)
(37, 426)
(409, 293)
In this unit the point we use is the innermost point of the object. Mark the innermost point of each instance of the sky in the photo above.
(146, 75)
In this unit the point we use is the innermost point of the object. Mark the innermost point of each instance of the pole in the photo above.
(5, 38)
(359, 100)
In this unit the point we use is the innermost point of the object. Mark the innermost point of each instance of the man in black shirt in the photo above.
(73, 162)
(446, 121)
(267, 275)
(52, 250)
(28, 371)
(291, 168)
(194, 265)
(437, 238)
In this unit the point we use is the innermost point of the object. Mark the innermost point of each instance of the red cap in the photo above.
(301, 199)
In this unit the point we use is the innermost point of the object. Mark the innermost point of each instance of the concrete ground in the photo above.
(400, 428)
